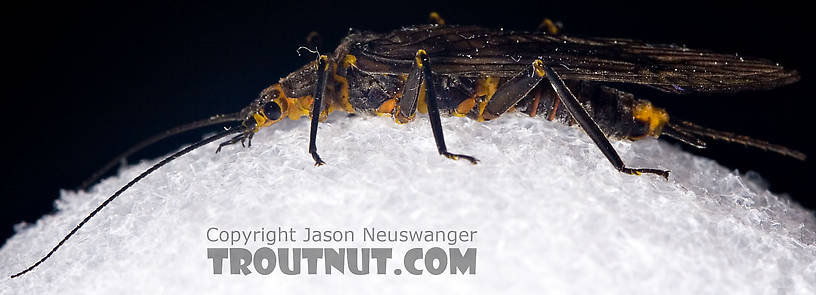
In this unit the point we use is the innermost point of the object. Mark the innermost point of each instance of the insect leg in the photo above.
(533, 109)
(236, 139)
(322, 74)
(582, 117)
(406, 107)
(511, 92)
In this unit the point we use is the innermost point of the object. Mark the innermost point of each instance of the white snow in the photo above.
(552, 216)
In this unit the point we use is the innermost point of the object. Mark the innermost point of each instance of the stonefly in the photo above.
(482, 73)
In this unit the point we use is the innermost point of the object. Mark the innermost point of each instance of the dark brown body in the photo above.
(369, 71)
(367, 74)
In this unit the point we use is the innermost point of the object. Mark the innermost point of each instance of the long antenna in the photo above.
(128, 185)
(217, 119)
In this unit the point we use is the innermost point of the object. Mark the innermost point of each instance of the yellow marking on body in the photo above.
(325, 59)
(418, 58)
(299, 107)
(434, 17)
(422, 105)
(538, 65)
(485, 87)
(342, 93)
(655, 118)
(304, 108)
(397, 97)
(464, 107)
(260, 122)
(294, 108)
(349, 61)
(387, 107)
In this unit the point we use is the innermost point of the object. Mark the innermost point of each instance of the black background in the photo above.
(88, 80)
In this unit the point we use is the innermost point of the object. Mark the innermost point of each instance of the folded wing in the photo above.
(476, 51)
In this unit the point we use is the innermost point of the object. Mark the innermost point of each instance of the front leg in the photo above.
(322, 75)
(246, 134)
(420, 75)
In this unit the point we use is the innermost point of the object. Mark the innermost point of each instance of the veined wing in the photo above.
(476, 51)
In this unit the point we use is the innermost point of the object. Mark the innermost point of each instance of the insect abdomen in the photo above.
(370, 93)
(613, 110)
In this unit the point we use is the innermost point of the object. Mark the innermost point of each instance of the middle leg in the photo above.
(405, 110)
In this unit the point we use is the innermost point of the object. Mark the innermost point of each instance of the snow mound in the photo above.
(551, 214)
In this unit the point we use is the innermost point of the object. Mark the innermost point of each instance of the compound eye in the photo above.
(272, 111)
